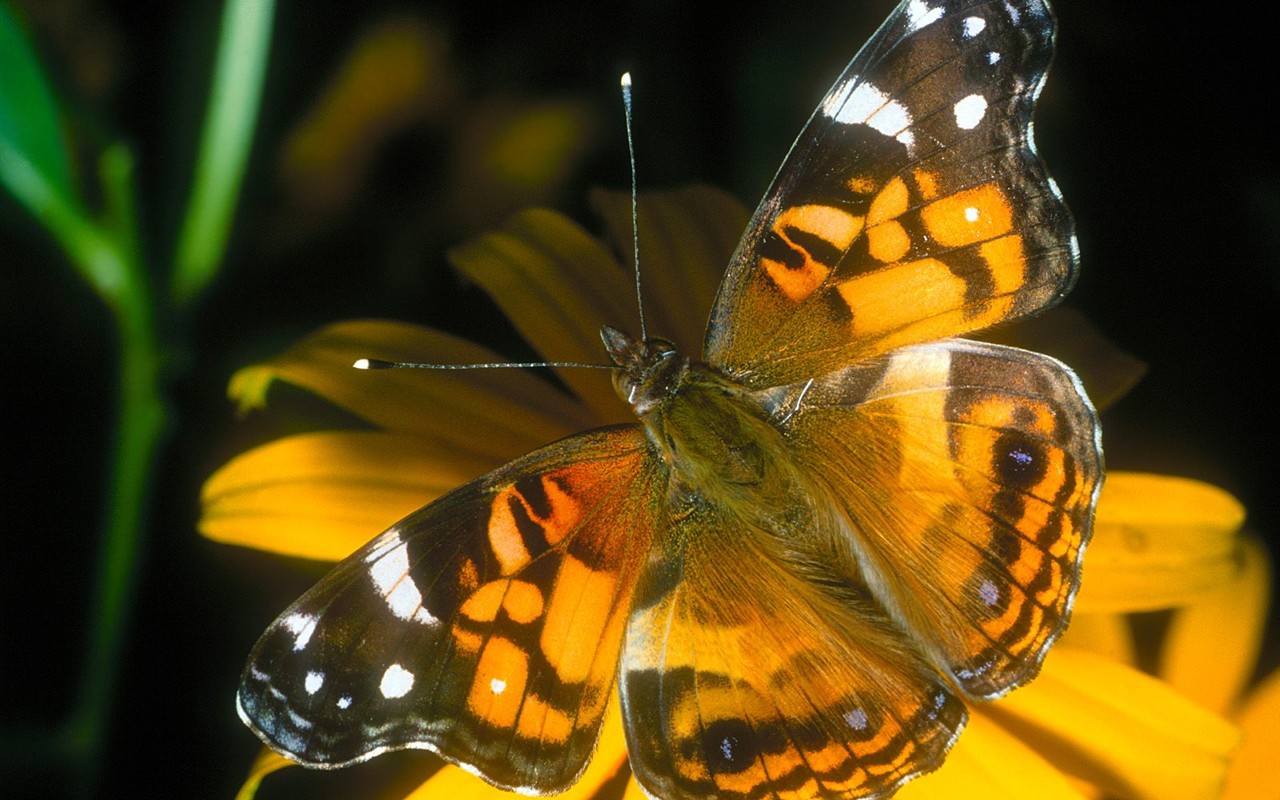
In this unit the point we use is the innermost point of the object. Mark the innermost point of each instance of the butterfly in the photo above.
(818, 542)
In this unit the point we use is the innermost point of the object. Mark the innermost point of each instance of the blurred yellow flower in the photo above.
(500, 152)
(1092, 725)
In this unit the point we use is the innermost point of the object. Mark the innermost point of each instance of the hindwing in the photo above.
(967, 475)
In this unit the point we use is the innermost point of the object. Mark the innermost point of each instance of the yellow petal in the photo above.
(1253, 774)
(686, 238)
(266, 763)
(989, 762)
(452, 783)
(1158, 542)
(1108, 635)
(633, 791)
(557, 285)
(1120, 729)
(322, 495)
(499, 412)
(1213, 643)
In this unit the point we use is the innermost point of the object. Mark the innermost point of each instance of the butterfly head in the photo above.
(647, 371)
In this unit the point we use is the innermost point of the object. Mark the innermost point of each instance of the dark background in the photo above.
(1152, 122)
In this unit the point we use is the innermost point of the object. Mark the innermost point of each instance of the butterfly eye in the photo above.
(660, 349)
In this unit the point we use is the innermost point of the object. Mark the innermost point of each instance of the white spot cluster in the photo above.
(301, 626)
(857, 102)
(920, 14)
(970, 111)
(396, 682)
(390, 576)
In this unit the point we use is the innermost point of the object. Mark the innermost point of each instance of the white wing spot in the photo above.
(974, 26)
(857, 719)
(301, 626)
(970, 111)
(396, 682)
(390, 576)
(993, 58)
(313, 682)
(497, 686)
(971, 214)
(344, 702)
(921, 15)
(988, 593)
(855, 102)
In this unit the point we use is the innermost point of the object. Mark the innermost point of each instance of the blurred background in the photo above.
(391, 131)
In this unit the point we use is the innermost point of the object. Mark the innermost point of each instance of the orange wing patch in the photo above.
(808, 235)
(890, 203)
(922, 298)
(528, 517)
(967, 217)
(892, 298)
(499, 685)
(577, 617)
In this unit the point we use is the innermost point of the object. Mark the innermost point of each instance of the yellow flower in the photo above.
(1092, 725)
(400, 74)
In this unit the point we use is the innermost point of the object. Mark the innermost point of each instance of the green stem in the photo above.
(106, 253)
(234, 101)
(140, 423)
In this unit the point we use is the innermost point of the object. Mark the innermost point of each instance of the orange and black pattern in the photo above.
(818, 543)
(969, 473)
(803, 688)
(516, 585)
(913, 205)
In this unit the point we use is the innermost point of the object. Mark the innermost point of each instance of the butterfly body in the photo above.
(712, 435)
(818, 541)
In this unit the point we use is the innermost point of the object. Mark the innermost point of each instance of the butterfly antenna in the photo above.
(377, 363)
(635, 225)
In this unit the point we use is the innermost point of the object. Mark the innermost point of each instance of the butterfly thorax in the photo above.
(713, 434)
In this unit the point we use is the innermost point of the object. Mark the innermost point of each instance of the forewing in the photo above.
(912, 207)
(745, 676)
(968, 474)
(485, 627)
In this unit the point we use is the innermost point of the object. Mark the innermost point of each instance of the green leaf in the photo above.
(234, 99)
(33, 153)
